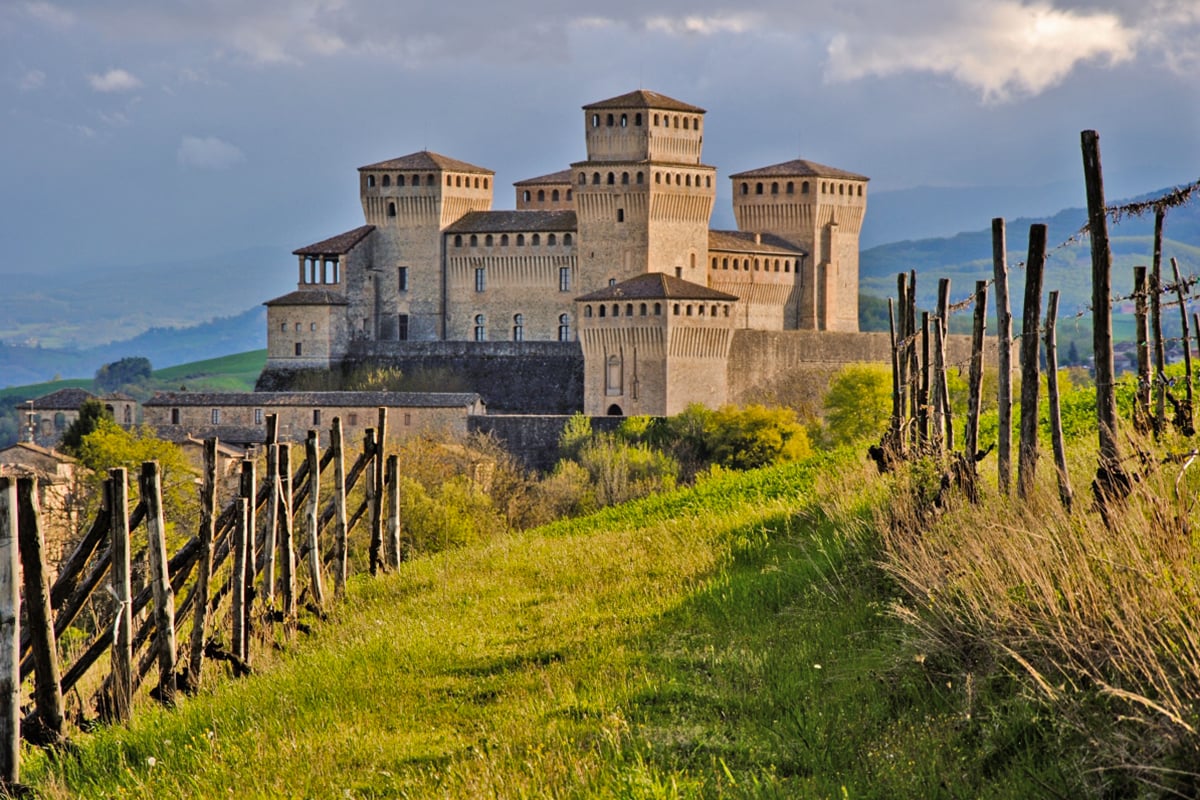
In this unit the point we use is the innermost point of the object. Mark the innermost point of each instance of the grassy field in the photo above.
(729, 640)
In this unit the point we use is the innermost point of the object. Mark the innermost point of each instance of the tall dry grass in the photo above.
(1103, 623)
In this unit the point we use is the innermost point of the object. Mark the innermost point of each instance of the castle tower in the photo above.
(410, 201)
(820, 209)
(643, 197)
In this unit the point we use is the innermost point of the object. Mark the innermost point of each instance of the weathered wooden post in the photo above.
(237, 579)
(10, 636)
(271, 523)
(377, 497)
(208, 524)
(164, 596)
(1004, 339)
(913, 364)
(117, 487)
(374, 470)
(312, 455)
(975, 388)
(1030, 368)
(900, 354)
(339, 506)
(923, 392)
(1142, 420)
(943, 428)
(1111, 480)
(248, 489)
(1186, 424)
(38, 612)
(287, 546)
(1056, 429)
(393, 507)
(892, 447)
(1156, 289)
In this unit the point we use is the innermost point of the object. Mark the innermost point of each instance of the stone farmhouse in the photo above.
(47, 418)
(605, 290)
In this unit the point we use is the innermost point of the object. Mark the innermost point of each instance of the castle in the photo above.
(610, 262)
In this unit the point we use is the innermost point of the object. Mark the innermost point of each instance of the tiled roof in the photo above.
(69, 399)
(119, 396)
(743, 241)
(39, 450)
(320, 399)
(310, 297)
(336, 245)
(515, 222)
(643, 98)
(657, 286)
(799, 168)
(427, 160)
(562, 176)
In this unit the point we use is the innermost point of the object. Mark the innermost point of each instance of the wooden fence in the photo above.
(272, 532)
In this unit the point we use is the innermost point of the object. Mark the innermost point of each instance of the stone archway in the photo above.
(615, 411)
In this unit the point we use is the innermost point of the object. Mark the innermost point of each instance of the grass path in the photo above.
(717, 642)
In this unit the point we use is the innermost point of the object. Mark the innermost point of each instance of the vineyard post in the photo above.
(249, 492)
(892, 445)
(271, 523)
(208, 520)
(913, 364)
(1141, 405)
(393, 522)
(923, 393)
(339, 504)
(1187, 427)
(370, 446)
(899, 345)
(312, 455)
(1028, 452)
(1056, 428)
(1156, 289)
(1004, 340)
(237, 579)
(38, 612)
(10, 637)
(975, 382)
(377, 497)
(943, 423)
(164, 596)
(117, 488)
(287, 547)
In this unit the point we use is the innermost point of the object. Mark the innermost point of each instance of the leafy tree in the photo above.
(755, 436)
(130, 370)
(858, 403)
(91, 414)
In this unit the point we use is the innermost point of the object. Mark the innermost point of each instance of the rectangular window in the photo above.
(352, 419)
(174, 416)
(480, 279)
(403, 278)
(299, 348)
(564, 279)
(216, 416)
(258, 416)
(316, 416)
(408, 419)
(402, 327)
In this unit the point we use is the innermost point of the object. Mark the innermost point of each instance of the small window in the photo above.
(520, 240)
(745, 188)
(774, 187)
(758, 188)
(679, 272)
(474, 240)
(299, 348)
(641, 178)
(637, 119)
(387, 180)
(564, 279)
(658, 177)
(551, 240)
(595, 120)
(402, 327)
(612, 179)
(429, 180)
(685, 123)
(352, 419)
(283, 327)
(624, 121)
(416, 180)
(804, 187)
(624, 178)
(860, 191)
(629, 309)
(608, 121)
(525, 196)
(564, 328)
(566, 239)
(587, 311)
(297, 327)
(582, 179)
(258, 416)
(407, 419)
(316, 416)
(312, 327)
(371, 181)
(791, 187)
(215, 416)
(568, 195)
(518, 327)
(602, 310)
(675, 310)
(480, 279)
(536, 240)
(620, 215)
(399, 180)
(458, 240)
(504, 240)
(554, 196)
(658, 309)
(487, 240)
(642, 310)
(391, 212)
(480, 328)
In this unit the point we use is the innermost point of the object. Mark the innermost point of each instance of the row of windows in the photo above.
(564, 279)
(283, 326)
(790, 188)
(643, 309)
(430, 180)
(679, 179)
(660, 120)
(527, 196)
(534, 241)
(745, 264)
(518, 328)
(259, 418)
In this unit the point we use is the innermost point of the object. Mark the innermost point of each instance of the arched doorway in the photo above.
(615, 411)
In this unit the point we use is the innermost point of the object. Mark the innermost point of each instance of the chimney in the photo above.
(758, 238)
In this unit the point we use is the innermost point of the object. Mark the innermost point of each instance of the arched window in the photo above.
(520, 240)
(756, 265)
(624, 178)
(458, 240)
(474, 240)
(429, 181)
(554, 196)
(689, 309)
(551, 240)
(642, 310)
(685, 123)
(567, 239)
(714, 262)
(774, 187)
(458, 181)
(860, 190)
(701, 310)
(541, 195)
(745, 188)
(391, 209)
(536, 240)
(787, 266)
(724, 263)
(658, 177)
(487, 240)
(687, 179)
(387, 180)
(841, 188)
(677, 121)
(640, 178)
(790, 188)
(758, 188)
(656, 120)
(518, 327)
(602, 309)
(637, 119)
(658, 309)
(449, 180)
(595, 178)
(480, 328)
(564, 327)
(675, 310)
(371, 181)
(609, 120)
(804, 187)
(595, 120)
(616, 310)
(612, 179)
(612, 376)
(624, 121)
(485, 183)
(568, 195)
(504, 240)
(582, 179)
(708, 181)
(620, 215)
(629, 309)
(587, 311)
(416, 180)
(399, 180)
(525, 196)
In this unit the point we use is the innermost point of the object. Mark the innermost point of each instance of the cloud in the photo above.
(115, 80)
(208, 152)
(698, 25)
(32, 80)
(50, 14)
(1000, 49)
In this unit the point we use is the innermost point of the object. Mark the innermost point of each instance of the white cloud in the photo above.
(115, 80)
(208, 152)
(50, 14)
(697, 25)
(1000, 49)
(32, 80)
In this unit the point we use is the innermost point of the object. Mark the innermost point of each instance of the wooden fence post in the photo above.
(374, 477)
(1186, 425)
(900, 348)
(287, 546)
(10, 637)
(1030, 368)
(943, 428)
(249, 492)
(237, 578)
(393, 523)
(975, 373)
(1004, 340)
(1056, 429)
(312, 455)
(271, 521)
(1156, 290)
(1111, 480)
(914, 385)
(1142, 421)
(377, 497)
(339, 504)
(923, 392)
(208, 524)
(892, 448)
(117, 487)
(164, 596)
(38, 612)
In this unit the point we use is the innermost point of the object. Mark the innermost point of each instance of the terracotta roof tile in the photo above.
(427, 160)
(643, 98)
(336, 245)
(515, 222)
(657, 286)
(562, 176)
(67, 399)
(310, 297)
(799, 168)
(743, 241)
(320, 399)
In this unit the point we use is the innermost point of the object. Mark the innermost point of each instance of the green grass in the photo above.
(233, 373)
(730, 640)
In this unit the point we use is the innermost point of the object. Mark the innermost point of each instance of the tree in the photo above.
(858, 403)
(91, 414)
(133, 369)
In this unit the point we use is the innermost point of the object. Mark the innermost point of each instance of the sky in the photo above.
(138, 131)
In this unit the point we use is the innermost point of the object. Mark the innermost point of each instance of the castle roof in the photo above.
(800, 168)
(64, 399)
(657, 286)
(310, 297)
(336, 245)
(427, 160)
(644, 98)
(515, 222)
(323, 399)
(750, 242)
(562, 176)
